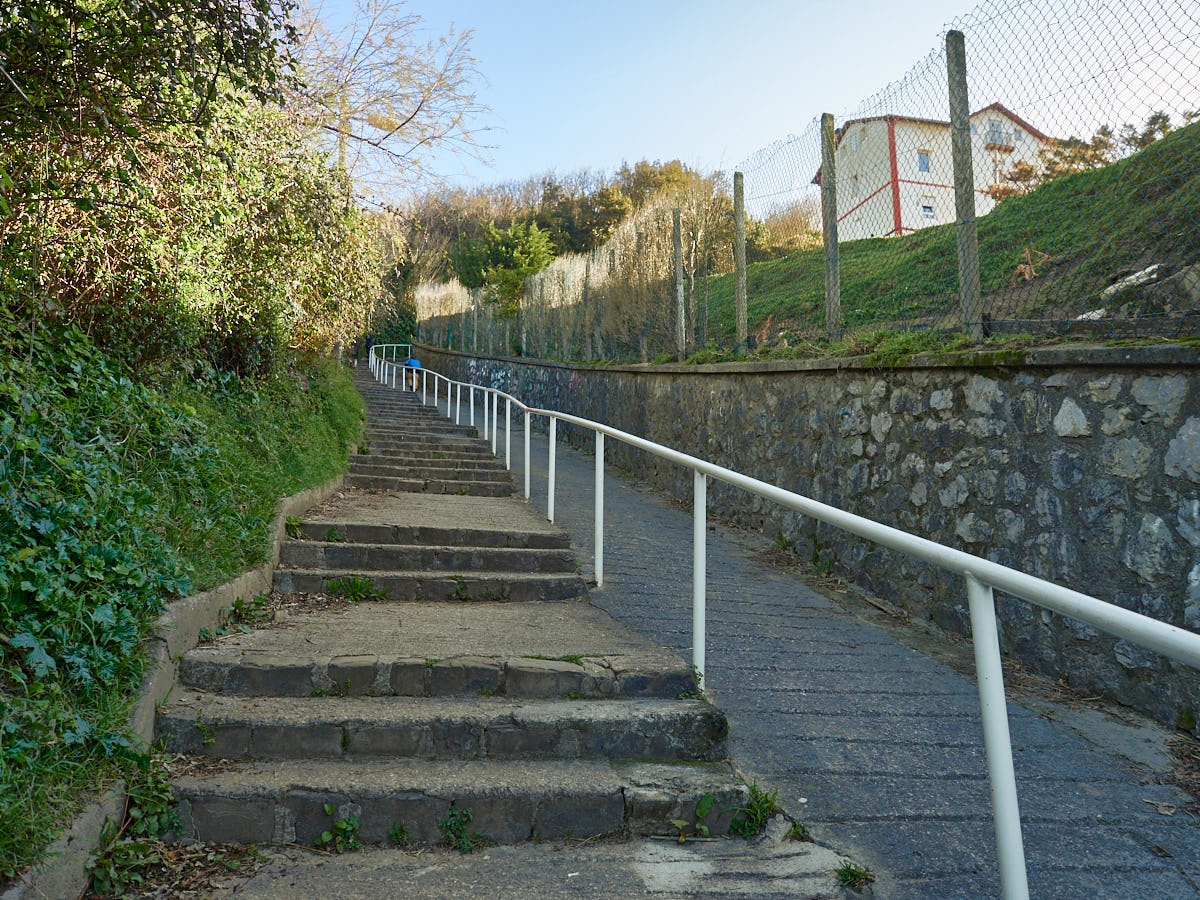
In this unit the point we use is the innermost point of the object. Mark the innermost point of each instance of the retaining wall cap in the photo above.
(1163, 355)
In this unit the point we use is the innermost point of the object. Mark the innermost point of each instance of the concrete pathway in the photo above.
(875, 744)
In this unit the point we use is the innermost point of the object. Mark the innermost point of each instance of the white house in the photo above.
(895, 174)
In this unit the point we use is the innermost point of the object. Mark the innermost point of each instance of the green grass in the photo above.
(1092, 225)
(117, 495)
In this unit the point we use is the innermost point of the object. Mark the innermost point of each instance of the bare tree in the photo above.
(385, 99)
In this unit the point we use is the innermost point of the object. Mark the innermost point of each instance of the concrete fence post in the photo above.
(829, 226)
(964, 186)
(739, 257)
(680, 320)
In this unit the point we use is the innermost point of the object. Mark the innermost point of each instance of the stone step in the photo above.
(482, 727)
(219, 670)
(510, 802)
(400, 428)
(399, 557)
(432, 449)
(430, 486)
(433, 459)
(538, 649)
(419, 585)
(431, 536)
(413, 471)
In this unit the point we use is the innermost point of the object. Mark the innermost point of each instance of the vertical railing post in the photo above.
(527, 415)
(598, 522)
(508, 433)
(964, 186)
(484, 395)
(424, 387)
(550, 474)
(1010, 848)
(457, 402)
(495, 411)
(699, 571)
(471, 393)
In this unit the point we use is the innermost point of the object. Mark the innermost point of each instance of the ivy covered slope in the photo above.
(115, 497)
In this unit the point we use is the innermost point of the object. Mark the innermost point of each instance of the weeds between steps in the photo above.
(342, 834)
(356, 589)
(455, 833)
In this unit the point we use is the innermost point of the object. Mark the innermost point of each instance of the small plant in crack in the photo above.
(798, 832)
(207, 731)
(853, 876)
(454, 830)
(750, 819)
(294, 527)
(342, 835)
(398, 834)
(333, 535)
(697, 828)
(356, 589)
(460, 589)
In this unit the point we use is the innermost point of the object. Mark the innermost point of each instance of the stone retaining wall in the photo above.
(1079, 465)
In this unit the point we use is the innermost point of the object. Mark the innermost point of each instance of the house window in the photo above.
(926, 209)
(922, 160)
(997, 134)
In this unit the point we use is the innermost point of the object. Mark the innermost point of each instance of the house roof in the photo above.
(991, 107)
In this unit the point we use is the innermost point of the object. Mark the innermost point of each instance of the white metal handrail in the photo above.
(982, 578)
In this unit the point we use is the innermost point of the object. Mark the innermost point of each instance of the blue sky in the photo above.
(576, 85)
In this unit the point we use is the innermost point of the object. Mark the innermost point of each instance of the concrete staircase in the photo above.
(468, 673)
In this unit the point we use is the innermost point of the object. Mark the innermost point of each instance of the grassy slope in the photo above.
(1092, 224)
(114, 497)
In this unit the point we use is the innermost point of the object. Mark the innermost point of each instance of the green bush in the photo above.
(116, 496)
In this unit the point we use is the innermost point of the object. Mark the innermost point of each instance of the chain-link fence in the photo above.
(1042, 176)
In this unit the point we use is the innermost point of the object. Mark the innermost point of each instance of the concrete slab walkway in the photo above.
(871, 740)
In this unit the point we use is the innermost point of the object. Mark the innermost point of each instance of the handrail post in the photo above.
(495, 413)
(550, 475)
(699, 571)
(1010, 848)
(598, 524)
(471, 394)
(424, 387)
(527, 454)
(484, 393)
(458, 403)
(508, 433)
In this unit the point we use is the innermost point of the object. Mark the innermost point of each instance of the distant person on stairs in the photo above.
(412, 363)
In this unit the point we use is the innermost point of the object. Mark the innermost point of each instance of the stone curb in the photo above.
(61, 872)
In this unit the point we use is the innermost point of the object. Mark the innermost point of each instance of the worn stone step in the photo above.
(400, 557)
(225, 670)
(539, 649)
(431, 536)
(431, 486)
(397, 429)
(413, 470)
(483, 727)
(509, 801)
(420, 585)
(485, 462)
(434, 449)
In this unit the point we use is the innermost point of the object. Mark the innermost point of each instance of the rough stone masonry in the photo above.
(1079, 465)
